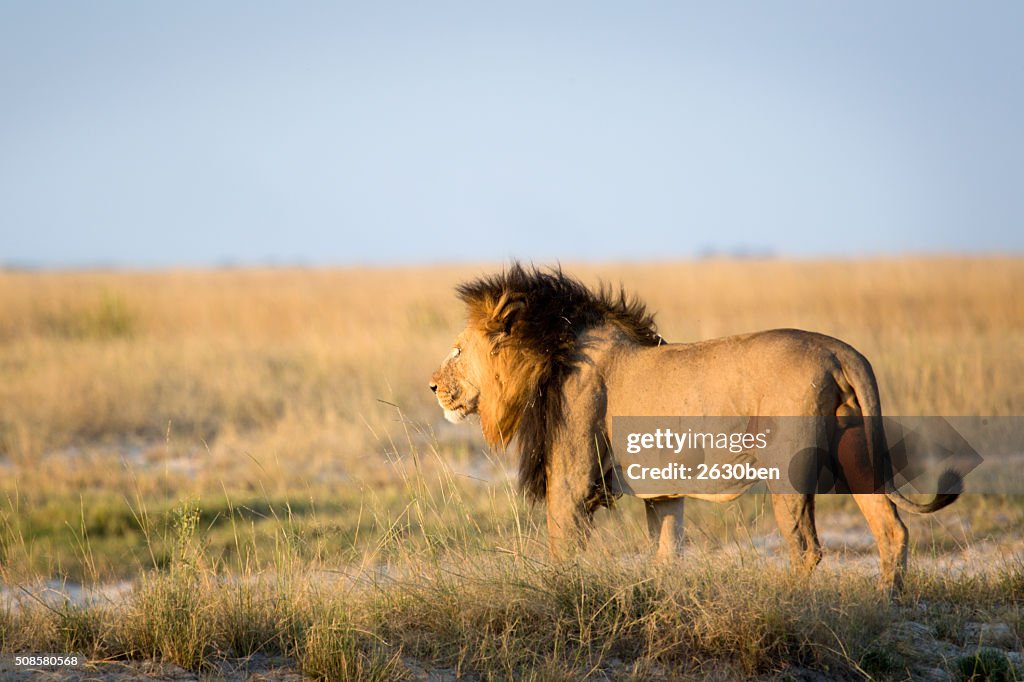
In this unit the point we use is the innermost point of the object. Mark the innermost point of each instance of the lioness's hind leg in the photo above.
(891, 536)
(665, 525)
(795, 516)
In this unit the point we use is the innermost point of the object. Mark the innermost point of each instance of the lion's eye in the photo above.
(456, 352)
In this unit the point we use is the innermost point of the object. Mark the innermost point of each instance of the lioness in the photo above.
(549, 362)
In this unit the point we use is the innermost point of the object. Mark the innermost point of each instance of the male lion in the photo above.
(549, 362)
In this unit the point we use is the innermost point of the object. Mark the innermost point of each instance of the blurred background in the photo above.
(166, 134)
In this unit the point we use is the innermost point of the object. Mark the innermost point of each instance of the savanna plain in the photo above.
(242, 474)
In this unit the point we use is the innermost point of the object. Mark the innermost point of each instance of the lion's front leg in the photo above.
(569, 523)
(665, 525)
(570, 482)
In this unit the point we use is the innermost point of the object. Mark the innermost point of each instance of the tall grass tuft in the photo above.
(333, 648)
(170, 615)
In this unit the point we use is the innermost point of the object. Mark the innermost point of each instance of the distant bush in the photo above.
(108, 317)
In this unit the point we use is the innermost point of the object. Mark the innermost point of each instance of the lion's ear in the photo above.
(507, 311)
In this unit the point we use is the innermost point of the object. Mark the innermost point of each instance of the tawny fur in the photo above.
(547, 361)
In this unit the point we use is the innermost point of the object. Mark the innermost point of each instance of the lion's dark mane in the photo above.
(558, 310)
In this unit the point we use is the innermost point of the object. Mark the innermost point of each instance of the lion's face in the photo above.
(488, 371)
(456, 383)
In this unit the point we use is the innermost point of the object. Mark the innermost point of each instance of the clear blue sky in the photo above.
(151, 134)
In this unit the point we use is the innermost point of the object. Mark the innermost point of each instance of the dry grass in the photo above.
(266, 400)
(449, 606)
(92, 357)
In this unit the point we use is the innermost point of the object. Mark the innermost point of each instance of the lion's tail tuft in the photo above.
(951, 485)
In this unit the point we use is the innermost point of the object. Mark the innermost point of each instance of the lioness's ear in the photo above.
(507, 311)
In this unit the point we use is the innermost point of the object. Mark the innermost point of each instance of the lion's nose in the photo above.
(433, 387)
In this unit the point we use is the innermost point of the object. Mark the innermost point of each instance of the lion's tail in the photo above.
(862, 378)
